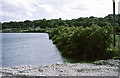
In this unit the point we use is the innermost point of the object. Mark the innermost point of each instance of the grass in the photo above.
(117, 46)
(76, 61)
(118, 43)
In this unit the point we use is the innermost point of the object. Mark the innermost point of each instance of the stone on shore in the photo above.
(97, 68)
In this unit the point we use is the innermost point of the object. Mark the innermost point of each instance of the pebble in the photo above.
(97, 68)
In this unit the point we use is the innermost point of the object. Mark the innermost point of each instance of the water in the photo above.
(28, 49)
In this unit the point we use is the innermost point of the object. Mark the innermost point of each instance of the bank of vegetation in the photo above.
(89, 43)
(88, 38)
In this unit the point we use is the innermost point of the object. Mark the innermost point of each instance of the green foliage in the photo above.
(54, 23)
(90, 43)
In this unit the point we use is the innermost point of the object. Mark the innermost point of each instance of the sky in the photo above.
(119, 7)
(20, 10)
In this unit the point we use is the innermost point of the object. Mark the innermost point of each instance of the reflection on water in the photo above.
(28, 48)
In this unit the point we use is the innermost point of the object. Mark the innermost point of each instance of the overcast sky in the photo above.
(20, 10)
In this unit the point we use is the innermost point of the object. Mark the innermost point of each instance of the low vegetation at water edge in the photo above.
(89, 43)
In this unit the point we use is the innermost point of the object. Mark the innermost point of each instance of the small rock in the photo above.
(21, 71)
(40, 70)
(58, 63)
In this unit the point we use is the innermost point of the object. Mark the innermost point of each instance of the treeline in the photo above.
(53, 23)
(84, 44)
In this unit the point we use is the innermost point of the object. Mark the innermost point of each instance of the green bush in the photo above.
(90, 43)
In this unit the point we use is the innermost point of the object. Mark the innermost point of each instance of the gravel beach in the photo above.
(97, 68)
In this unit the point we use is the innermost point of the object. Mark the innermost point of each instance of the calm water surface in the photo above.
(28, 49)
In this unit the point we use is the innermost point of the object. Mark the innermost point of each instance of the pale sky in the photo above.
(119, 7)
(20, 10)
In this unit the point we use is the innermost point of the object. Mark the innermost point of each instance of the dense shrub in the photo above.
(90, 43)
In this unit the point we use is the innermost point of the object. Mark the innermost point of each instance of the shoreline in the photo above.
(97, 68)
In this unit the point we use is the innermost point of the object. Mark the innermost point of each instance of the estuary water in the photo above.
(28, 49)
